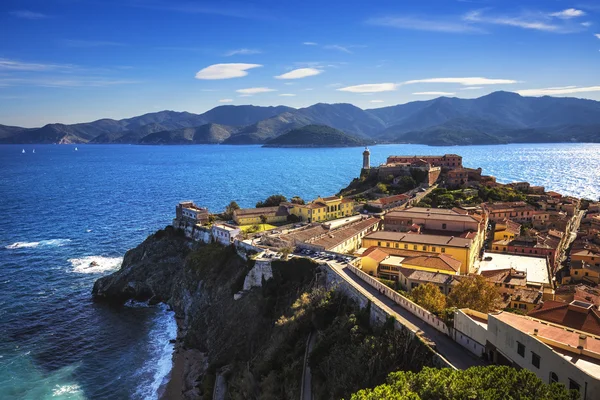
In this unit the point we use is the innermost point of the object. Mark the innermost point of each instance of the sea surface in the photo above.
(61, 209)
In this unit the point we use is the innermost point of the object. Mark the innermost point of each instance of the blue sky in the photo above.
(80, 60)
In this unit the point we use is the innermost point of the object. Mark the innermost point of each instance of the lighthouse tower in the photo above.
(366, 158)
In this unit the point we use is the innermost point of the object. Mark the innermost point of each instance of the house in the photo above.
(433, 219)
(186, 212)
(449, 161)
(531, 246)
(371, 258)
(411, 278)
(385, 203)
(224, 233)
(524, 299)
(461, 249)
(577, 314)
(519, 186)
(581, 271)
(324, 209)
(255, 216)
(506, 230)
(518, 211)
(344, 239)
(460, 177)
(589, 256)
(581, 292)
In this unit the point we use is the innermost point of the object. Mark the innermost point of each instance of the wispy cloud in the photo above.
(343, 49)
(91, 43)
(536, 21)
(225, 71)
(243, 51)
(225, 100)
(377, 101)
(233, 9)
(597, 35)
(434, 93)
(370, 88)
(568, 13)
(26, 14)
(308, 89)
(71, 82)
(255, 90)
(287, 95)
(558, 90)
(310, 44)
(471, 88)
(424, 24)
(587, 24)
(14, 65)
(463, 81)
(299, 73)
(334, 85)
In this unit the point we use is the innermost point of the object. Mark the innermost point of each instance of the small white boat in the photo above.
(75, 148)
(33, 151)
(23, 151)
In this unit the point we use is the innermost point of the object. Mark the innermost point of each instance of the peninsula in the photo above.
(499, 117)
(420, 264)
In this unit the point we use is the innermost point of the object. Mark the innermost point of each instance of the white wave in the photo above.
(26, 245)
(159, 367)
(95, 264)
(61, 390)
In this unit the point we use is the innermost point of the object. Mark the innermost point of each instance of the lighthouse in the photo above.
(366, 158)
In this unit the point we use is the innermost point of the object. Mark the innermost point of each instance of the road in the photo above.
(457, 355)
(306, 391)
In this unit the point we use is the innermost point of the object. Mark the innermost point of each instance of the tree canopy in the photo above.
(476, 293)
(272, 201)
(490, 383)
(429, 297)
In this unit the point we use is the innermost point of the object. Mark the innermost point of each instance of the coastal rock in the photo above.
(261, 271)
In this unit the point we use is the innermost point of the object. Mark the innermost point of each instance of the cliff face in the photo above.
(254, 347)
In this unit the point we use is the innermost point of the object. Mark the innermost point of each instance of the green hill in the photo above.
(316, 136)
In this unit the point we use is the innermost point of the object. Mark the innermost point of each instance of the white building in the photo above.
(224, 233)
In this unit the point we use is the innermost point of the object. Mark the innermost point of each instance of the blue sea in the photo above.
(61, 209)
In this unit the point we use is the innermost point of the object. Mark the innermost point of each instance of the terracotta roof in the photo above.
(569, 315)
(335, 237)
(586, 253)
(440, 262)
(375, 253)
(451, 216)
(267, 211)
(330, 198)
(428, 276)
(532, 296)
(437, 240)
(391, 199)
(507, 275)
(580, 292)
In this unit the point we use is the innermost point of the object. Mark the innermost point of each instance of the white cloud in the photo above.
(471, 88)
(463, 81)
(299, 73)
(66, 83)
(24, 66)
(287, 95)
(225, 71)
(255, 90)
(310, 44)
(597, 35)
(225, 100)
(558, 90)
(434, 93)
(91, 43)
(377, 101)
(309, 89)
(536, 21)
(370, 88)
(334, 85)
(587, 24)
(422, 24)
(243, 52)
(343, 49)
(26, 14)
(568, 13)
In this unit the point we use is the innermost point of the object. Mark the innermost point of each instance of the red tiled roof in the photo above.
(567, 315)
(438, 261)
(375, 253)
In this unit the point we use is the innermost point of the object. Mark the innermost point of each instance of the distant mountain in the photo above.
(500, 117)
(316, 136)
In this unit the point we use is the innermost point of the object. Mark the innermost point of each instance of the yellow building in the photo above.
(371, 259)
(506, 230)
(324, 209)
(582, 272)
(588, 256)
(252, 216)
(461, 249)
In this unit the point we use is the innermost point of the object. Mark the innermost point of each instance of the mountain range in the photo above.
(499, 117)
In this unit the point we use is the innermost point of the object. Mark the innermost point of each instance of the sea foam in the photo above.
(30, 245)
(95, 264)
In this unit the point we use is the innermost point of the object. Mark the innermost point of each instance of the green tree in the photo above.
(263, 219)
(272, 201)
(297, 200)
(382, 188)
(429, 297)
(285, 252)
(490, 383)
(476, 293)
(231, 207)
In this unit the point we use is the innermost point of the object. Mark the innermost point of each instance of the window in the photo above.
(379, 244)
(535, 360)
(553, 377)
(521, 349)
(443, 250)
(573, 385)
(424, 248)
(414, 247)
(397, 245)
(443, 226)
(406, 246)
(433, 249)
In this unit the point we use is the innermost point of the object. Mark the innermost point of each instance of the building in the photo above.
(577, 314)
(506, 230)
(518, 211)
(324, 209)
(187, 212)
(536, 269)
(371, 258)
(224, 233)
(519, 186)
(580, 271)
(386, 203)
(581, 292)
(433, 219)
(366, 158)
(423, 172)
(344, 239)
(449, 161)
(531, 246)
(589, 256)
(411, 278)
(252, 216)
(460, 177)
(461, 249)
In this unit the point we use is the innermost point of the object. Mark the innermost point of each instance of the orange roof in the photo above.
(577, 315)
(375, 253)
(391, 199)
(437, 261)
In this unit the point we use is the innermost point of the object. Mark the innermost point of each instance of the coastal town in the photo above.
(419, 222)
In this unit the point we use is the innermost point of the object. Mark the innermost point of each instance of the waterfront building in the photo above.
(460, 177)
(386, 203)
(449, 161)
(190, 213)
(224, 233)
(506, 230)
(518, 211)
(366, 158)
(412, 278)
(324, 209)
(252, 216)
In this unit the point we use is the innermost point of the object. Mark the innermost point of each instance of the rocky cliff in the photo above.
(243, 326)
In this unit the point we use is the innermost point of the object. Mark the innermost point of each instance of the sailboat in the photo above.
(23, 151)
(75, 148)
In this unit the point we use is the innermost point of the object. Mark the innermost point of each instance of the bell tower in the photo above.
(366, 158)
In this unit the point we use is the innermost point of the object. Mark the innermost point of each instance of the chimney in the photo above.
(582, 342)
(535, 332)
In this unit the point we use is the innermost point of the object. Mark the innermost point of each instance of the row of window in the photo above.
(414, 247)
(536, 360)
